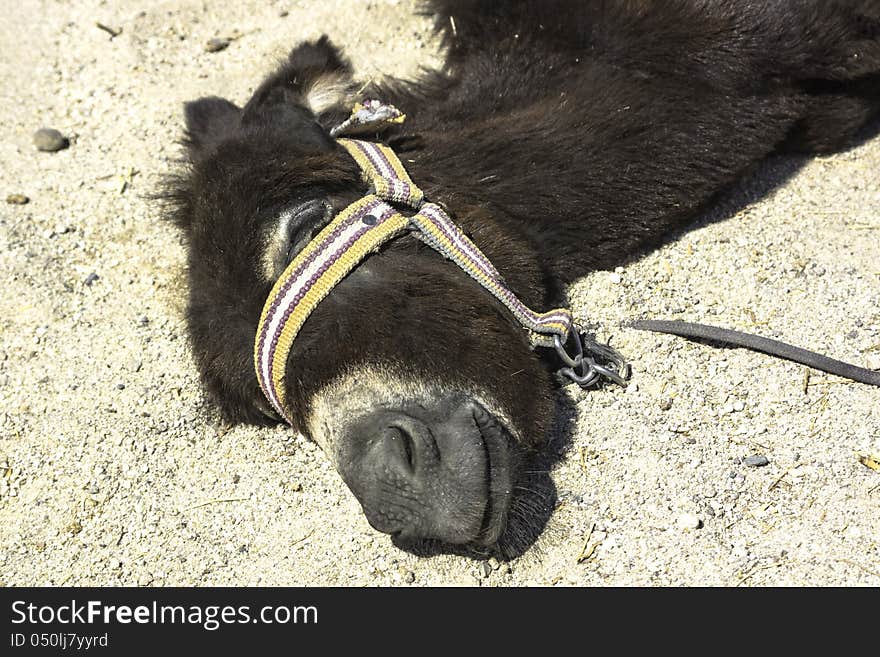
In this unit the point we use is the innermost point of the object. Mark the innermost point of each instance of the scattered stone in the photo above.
(632, 387)
(485, 569)
(756, 461)
(217, 44)
(666, 404)
(283, 13)
(739, 406)
(615, 278)
(135, 365)
(50, 140)
(91, 278)
(120, 386)
(17, 199)
(410, 577)
(143, 320)
(689, 521)
(112, 31)
(236, 478)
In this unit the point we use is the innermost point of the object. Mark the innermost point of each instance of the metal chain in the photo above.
(592, 362)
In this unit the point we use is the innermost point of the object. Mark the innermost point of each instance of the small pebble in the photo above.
(486, 569)
(50, 140)
(632, 387)
(615, 278)
(120, 386)
(143, 320)
(17, 199)
(216, 44)
(91, 278)
(739, 406)
(689, 521)
(756, 461)
(410, 577)
(666, 404)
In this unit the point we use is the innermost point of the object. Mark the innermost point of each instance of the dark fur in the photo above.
(564, 136)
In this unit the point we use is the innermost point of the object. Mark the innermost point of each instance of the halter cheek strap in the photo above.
(361, 229)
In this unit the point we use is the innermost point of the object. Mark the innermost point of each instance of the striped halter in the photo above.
(362, 228)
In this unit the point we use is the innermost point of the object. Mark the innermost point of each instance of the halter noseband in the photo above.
(362, 228)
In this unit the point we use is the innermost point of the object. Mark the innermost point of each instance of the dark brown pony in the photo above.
(563, 136)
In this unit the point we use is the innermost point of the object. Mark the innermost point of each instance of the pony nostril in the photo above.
(403, 441)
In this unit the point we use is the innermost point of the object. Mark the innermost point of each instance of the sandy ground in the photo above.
(113, 470)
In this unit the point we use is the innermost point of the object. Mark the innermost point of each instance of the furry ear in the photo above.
(208, 120)
(315, 76)
(325, 75)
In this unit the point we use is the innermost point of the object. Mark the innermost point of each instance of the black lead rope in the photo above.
(758, 343)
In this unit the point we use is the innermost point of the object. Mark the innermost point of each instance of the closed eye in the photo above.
(290, 232)
(307, 221)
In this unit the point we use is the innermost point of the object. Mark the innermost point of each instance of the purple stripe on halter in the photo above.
(376, 155)
(400, 191)
(305, 264)
(376, 158)
(286, 286)
(465, 252)
(440, 219)
(309, 283)
(537, 319)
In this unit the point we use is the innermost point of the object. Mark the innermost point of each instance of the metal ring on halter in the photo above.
(578, 358)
